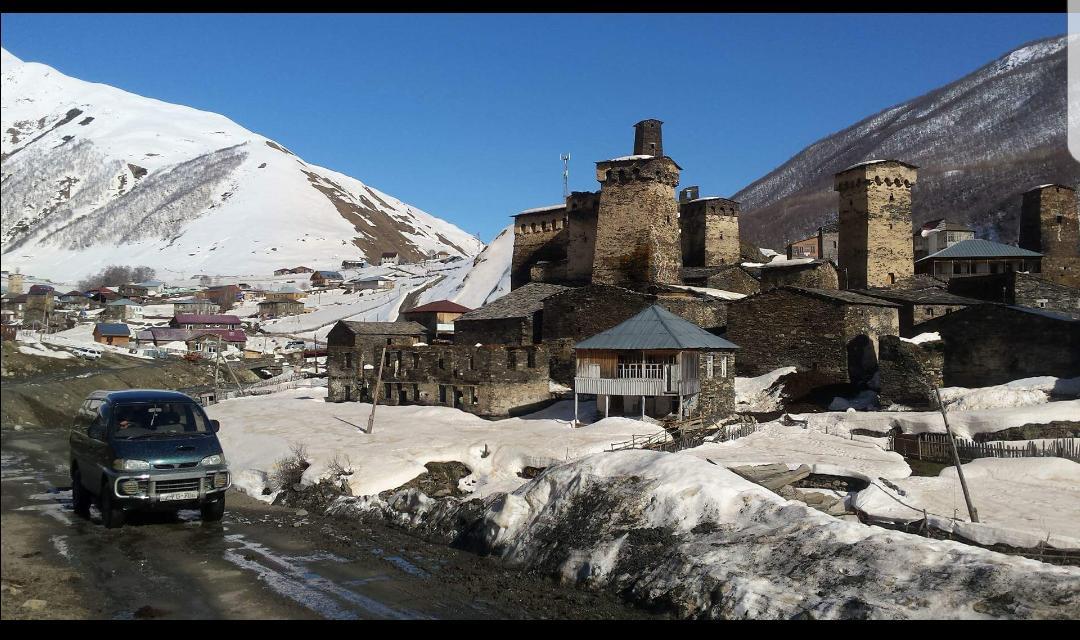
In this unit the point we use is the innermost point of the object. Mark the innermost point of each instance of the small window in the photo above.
(442, 364)
(930, 311)
(511, 360)
(723, 366)
(348, 361)
(530, 359)
(709, 366)
(1058, 219)
(524, 228)
(534, 228)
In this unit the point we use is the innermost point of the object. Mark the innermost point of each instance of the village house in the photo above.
(823, 245)
(349, 342)
(657, 364)
(142, 289)
(207, 321)
(225, 296)
(326, 279)
(283, 271)
(112, 333)
(280, 308)
(799, 272)
(1050, 226)
(939, 234)
(102, 295)
(978, 257)
(13, 305)
(438, 318)
(194, 305)
(208, 341)
(39, 305)
(441, 254)
(122, 309)
(370, 283)
(1019, 288)
(918, 306)
(389, 258)
(832, 333)
(515, 318)
(74, 300)
(301, 269)
(353, 264)
(990, 344)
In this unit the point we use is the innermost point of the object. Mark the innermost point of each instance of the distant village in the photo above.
(637, 301)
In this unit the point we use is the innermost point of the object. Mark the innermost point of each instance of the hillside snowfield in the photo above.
(93, 175)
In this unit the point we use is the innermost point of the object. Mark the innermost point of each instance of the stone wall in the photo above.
(537, 236)
(492, 380)
(907, 369)
(820, 275)
(710, 314)
(992, 344)
(717, 397)
(709, 230)
(782, 327)
(495, 331)
(875, 246)
(734, 279)
(637, 229)
(582, 208)
(1019, 288)
(1050, 225)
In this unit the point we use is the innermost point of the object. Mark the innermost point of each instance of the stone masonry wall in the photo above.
(537, 236)
(494, 331)
(1050, 225)
(709, 230)
(813, 276)
(717, 398)
(907, 369)
(582, 208)
(875, 224)
(637, 230)
(1025, 289)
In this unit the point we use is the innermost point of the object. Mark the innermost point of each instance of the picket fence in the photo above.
(935, 447)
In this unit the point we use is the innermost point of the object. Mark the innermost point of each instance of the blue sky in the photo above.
(465, 115)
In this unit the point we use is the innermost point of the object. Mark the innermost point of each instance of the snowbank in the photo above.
(965, 424)
(257, 431)
(1018, 393)
(1021, 501)
(827, 454)
(760, 393)
(668, 529)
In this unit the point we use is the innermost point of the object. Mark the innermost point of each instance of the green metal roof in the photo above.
(655, 328)
(978, 248)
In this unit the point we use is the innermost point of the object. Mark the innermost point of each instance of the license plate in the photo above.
(180, 495)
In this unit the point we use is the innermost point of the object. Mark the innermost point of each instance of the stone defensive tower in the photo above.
(637, 223)
(709, 228)
(647, 138)
(1049, 225)
(875, 248)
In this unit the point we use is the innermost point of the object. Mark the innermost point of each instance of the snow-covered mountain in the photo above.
(979, 142)
(93, 175)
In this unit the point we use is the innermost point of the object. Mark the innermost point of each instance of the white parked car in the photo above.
(86, 352)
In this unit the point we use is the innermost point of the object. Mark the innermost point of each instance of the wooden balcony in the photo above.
(636, 379)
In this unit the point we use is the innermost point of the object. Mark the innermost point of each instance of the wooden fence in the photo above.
(678, 439)
(935, 447)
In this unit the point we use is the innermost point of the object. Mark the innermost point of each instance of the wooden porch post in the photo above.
(642, 408)
(607, 405)
(575, 408)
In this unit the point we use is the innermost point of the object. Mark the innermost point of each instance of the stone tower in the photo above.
(1049, 225)
(637, 222)
(709, 228)
(648, 141)
(875, 247)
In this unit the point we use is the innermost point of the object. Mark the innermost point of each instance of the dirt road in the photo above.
(259, 562)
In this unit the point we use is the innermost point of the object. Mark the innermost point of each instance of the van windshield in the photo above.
(148, 419)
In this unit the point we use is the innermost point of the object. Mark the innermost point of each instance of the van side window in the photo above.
(99, 420)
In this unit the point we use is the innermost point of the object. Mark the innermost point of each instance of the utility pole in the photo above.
(375, 393)
(956, 458)
(217, 359)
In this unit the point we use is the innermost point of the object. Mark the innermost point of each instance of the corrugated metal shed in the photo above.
(979, 248)
(655, 328)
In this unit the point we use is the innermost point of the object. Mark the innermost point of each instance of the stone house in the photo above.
(112, 333)
(370, 283)
(288, 293)
(656, 364)
(438, 318)
(515, 318)
(326, 279)
(282, 272)
(122, 309)
(491, 380)
(208, 321)
(353, 264)
(832, 333)
(39, 305)
(301, 269)
(1019, 288)
(823, 245)
(916, 307)
(225, 296)
(978, 257)
(734, 278)
(799, 272)
(73, 300)
(280, 308)
(540, 236)
(910, 371)
(991, 344)
(359, 339)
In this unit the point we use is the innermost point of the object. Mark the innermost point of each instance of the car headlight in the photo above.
(217, 458)
(121, 464)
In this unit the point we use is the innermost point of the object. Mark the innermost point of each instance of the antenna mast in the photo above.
(565, 157)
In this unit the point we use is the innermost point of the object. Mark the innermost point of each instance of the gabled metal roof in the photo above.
(112, 329)
(979, 248)
(655, 328)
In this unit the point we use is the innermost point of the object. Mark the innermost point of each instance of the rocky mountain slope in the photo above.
(979, 142)
(93, 175)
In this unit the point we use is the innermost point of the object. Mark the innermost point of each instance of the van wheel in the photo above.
(80, 498)
(112, 516)
(213, 511)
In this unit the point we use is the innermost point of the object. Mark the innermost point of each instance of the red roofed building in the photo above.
(438, 318)
(204, 321)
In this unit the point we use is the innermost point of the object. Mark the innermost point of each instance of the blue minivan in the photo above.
(146, 450)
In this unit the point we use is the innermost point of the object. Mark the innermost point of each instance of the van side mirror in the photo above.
(215, 426)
